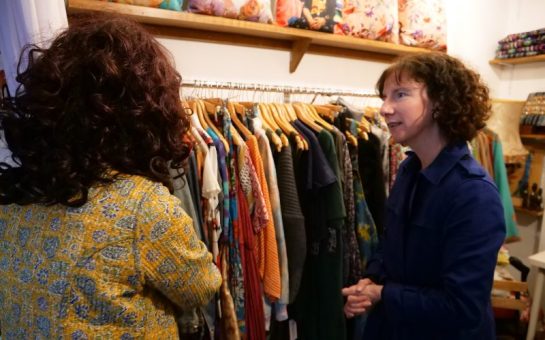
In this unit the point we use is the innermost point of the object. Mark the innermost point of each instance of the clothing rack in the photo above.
(287, 91)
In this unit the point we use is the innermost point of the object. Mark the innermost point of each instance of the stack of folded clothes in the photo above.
(522, 44)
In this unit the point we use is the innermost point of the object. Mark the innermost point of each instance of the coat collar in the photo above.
(441, 165)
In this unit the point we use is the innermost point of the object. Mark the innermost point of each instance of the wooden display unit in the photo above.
(534, 213)
(237, 32)
(517, 61)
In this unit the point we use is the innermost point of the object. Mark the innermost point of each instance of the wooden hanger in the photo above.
(236, 137)
(211, 104)
(197, 113)
(215, 102)
(283, 128)
(193, 118)
(350, 138)
(207, 109)
(274, 138)
(362, 127)
(334, 107)
(285, 125)
(241, 110)
(292, 116)
(275, 113)
(304, 116)
(238, 124)
(317, 117)
(264, 109)
(326, 112)
(370, 112)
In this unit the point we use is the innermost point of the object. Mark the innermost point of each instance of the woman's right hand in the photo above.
(357, 299)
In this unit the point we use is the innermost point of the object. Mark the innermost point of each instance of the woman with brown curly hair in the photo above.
(432, 276)
(92, 242)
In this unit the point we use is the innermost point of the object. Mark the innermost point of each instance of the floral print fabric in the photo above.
(115, 267)
(376, 19)
(249, 10)
(423, 24)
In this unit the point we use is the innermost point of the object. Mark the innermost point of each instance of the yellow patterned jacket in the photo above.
(114, 268)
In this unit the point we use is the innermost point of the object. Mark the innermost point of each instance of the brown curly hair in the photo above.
(460, 98)
(103, 99)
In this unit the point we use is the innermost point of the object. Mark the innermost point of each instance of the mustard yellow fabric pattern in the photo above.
(115, 268)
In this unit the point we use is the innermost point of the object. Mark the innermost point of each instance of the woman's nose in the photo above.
(386, 108)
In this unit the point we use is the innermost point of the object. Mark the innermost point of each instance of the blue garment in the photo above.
(444, 227)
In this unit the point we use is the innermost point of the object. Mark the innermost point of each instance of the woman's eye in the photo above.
(401, 94)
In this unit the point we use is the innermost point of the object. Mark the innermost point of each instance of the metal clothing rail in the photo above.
(287, 90)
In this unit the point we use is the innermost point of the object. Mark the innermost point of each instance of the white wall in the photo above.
(519, 80)
(220, 62)
(473, 28)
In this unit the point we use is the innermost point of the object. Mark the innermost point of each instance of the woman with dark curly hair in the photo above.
(92, 242)
(432, 276)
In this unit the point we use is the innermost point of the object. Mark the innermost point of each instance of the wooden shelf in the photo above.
(237, 32)
(516, 61)
(533, 137)
(535, 213)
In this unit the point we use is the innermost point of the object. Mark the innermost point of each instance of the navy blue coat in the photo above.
(444, 227)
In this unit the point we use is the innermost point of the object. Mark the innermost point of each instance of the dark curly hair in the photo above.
(460, 98)
(102, 100)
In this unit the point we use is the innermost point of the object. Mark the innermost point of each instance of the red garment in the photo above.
(253, 294)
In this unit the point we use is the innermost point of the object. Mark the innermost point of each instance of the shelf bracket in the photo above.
(298, 49)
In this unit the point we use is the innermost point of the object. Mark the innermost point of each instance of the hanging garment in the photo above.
(383, 136)
(211, 190)
(229, 328)
(326, 267)
(269, 263)
(352, 265)
(502, 182)
(224, 201)
(293, 219)
(489, 153)
(274, 196)
(236, 275)
(182, 191)
(366, 231)
(194, 186)
(253, 298)
(396, 156)
(318, 307)
(370, 167)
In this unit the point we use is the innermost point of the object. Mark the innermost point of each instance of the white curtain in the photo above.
(26, 22)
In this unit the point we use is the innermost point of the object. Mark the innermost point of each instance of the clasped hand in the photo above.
(361, 297)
